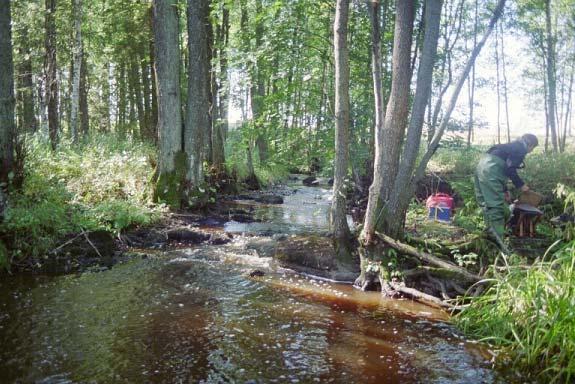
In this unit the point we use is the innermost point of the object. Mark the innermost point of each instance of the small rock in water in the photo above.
(256, 272)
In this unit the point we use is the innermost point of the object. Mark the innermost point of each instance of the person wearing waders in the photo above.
(499, 164)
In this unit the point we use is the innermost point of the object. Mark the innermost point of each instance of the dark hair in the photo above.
(530, 140)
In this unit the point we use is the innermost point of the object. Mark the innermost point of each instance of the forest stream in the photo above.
(194, 315)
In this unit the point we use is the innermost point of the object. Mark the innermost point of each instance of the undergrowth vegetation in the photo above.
(528, 311)
(102, 184)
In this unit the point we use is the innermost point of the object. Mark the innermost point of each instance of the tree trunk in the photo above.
(504, 73)
(568, 109)
(338, 218)
(28, 121)
(154, 112)
(497, 12)
(221, 118)
(7, 103)
(84, 113)
(497, 86)
(77, 59)
(387, 156)
(394, 218)
(472, 81)
(50, 70)
(197, 111)
(171, 160)
(551, 76)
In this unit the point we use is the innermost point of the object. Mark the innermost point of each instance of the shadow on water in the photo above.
(195, 316)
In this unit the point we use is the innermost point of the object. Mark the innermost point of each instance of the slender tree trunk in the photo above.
(154, 112)
(472, 81)
(376, 69)
(497, 12)
(221, 118)
(146, 103)
(394, 219)
(138, 99)
(28, 122)
(171, 159)
(7, 103)
(338, 218)
(497, 84)
(121, 87)
(197, 111)
(387, 157)
(567, 109)
(503, 72)
(551, 76)
(84, 112)
(77, 59)
(106, 95)
(51, 70)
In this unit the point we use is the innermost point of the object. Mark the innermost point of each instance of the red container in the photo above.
(440, 206)
(442, 200)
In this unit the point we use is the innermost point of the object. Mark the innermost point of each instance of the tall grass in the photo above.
(100, 184)
(529, 314)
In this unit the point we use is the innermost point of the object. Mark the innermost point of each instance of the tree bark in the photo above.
(387, 156)
(171, 161)
(551, 76)
(198, 105)
(221, 118)
(50, 72)
(84, 112)
(77, 59)
(338, 220)
(7, 102)
(27, 121)
(504, 73)
(394, 219)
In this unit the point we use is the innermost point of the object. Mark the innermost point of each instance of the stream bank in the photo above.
(178, 311)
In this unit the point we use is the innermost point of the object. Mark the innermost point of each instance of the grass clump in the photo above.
(529, 314)
(102, 184)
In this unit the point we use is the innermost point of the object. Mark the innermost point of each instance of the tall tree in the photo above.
(50, 72)
(25, 84)
(338, 208)
(77, 60)
(387, 153)
(7, 102)
(551, 76)
(171, 159)
(222, 92)
(196, 134)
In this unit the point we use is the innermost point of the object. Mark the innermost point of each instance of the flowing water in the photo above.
(195, 316)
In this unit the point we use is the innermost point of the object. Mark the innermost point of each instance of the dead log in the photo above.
(428, 258)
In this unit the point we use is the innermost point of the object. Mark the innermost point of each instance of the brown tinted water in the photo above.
(195, 316)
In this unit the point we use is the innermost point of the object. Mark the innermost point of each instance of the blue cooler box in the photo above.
(440, 213)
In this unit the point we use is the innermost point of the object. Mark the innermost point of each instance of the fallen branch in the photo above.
(92, 244)
(423, 297)
(427, 257)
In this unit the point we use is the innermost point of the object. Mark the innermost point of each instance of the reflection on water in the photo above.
(304, 212)
(190, 317)
(195, 316)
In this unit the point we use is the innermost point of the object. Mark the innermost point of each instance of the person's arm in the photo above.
(514, 161)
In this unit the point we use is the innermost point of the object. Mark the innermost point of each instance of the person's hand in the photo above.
(524, 188)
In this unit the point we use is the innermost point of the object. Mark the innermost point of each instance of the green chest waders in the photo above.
(490, 180)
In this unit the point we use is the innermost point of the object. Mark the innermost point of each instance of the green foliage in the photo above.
(99, 185)
(529, 313)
